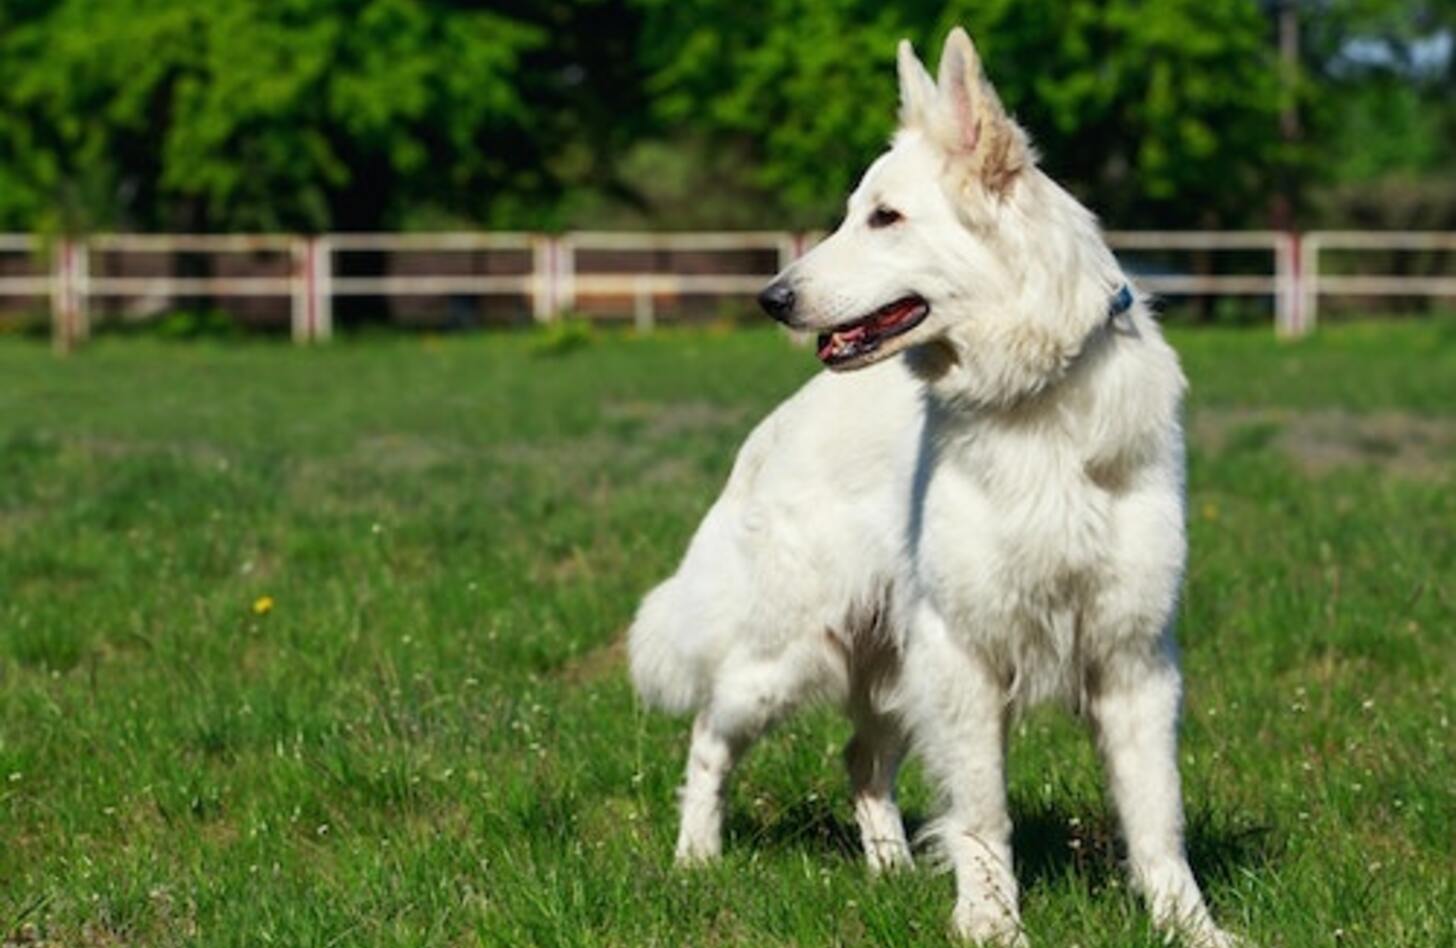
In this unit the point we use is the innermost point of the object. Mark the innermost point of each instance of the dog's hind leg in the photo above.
(748, 697)
(874, 753)
(710, 762)
(873, 757)
(1134, 711)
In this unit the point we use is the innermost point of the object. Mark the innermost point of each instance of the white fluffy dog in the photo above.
(937, 540)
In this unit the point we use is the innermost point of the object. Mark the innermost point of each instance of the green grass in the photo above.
(430, 740)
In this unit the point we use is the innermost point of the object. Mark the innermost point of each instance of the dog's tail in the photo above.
(662, 671)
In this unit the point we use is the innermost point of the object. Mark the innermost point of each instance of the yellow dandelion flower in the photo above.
(1210, 511)
(262, 605)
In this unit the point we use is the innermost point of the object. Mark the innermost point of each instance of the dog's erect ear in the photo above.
(974, 126)
(917, 89)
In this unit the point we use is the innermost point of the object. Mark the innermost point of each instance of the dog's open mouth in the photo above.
(852, 342)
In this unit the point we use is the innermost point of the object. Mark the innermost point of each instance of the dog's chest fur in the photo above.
(1016, 529)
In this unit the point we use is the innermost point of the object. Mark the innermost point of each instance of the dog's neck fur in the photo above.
(1034, 369)
(1069, 275)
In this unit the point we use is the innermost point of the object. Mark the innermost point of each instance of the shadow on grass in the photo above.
(811, 825)
(1050, 841)
(1055, 840)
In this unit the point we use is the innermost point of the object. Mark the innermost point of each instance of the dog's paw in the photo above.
(1211, 936)
(989, 926)
(693, 853)
(888, 856)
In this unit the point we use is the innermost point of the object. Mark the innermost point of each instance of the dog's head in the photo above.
(947, 238)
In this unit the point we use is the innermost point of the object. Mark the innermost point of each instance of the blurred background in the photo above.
(551, 116)
(318, 115)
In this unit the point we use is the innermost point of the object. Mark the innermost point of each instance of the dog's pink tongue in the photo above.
(840, 338)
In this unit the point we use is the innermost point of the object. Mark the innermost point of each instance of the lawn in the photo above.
(322, 648)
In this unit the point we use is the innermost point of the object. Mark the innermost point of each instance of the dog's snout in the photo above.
(777, 299)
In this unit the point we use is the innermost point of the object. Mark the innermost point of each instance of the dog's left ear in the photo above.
(974, 126)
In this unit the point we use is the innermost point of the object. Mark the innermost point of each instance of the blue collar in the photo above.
(1121, 302)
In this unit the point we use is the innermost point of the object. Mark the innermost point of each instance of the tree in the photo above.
(357, 114)
(1163, 112)
(248, 114)
(1383, 107)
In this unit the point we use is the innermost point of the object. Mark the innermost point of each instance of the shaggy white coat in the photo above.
(936, 540)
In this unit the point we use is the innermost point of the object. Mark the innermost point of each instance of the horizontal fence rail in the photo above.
(583, 271)
(1315, 283)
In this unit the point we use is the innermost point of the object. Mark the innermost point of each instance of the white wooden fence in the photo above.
(552, 277)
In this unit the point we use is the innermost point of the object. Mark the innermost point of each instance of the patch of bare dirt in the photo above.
(400, 452)
(1398, 443)
(598, 664)
(666, 420)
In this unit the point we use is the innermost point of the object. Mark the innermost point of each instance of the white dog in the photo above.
(938, 540)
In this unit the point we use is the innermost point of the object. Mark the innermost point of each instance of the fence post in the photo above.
(321, 286)
(69, 281)
(81, 290)
(544, 252)
(643, 314)
(1309, 279)
(312, 312)
(1288, 295)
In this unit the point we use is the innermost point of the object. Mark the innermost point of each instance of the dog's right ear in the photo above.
(917, 89)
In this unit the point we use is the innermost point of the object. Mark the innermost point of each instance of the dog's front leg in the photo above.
(1134, 709)
(958, 713)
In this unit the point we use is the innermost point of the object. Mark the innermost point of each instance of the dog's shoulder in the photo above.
(841, 425)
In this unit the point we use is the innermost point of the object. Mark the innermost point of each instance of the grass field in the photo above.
(320, 648)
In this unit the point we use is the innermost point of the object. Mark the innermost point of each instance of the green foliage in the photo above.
(1152, 110)
(242, 114)
(563, 336)
(1381, 98)
(429, 739)
(195, 324)
(810, 83)
(362, 114)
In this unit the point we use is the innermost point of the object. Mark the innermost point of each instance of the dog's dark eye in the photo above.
(884, 217)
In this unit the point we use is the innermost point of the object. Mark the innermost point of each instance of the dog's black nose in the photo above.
(777, 299)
